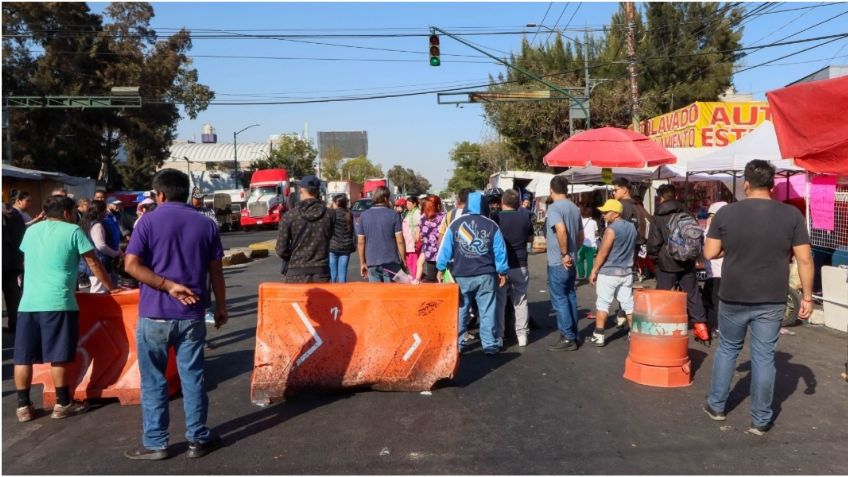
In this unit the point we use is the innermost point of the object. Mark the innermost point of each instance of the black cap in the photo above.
(310, 181)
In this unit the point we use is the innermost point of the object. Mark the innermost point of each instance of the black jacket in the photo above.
(310, 224)
(659, 237)
(14, 228)
(343, 240)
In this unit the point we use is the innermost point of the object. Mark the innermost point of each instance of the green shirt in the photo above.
(52, 251)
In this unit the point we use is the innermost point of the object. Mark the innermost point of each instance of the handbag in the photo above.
(284, 268)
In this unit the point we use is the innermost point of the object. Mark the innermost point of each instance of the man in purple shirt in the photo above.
(172, 250)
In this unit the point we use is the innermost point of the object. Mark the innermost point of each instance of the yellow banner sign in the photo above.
(706, 124)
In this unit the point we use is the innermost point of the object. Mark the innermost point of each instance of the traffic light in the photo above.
(434, 51)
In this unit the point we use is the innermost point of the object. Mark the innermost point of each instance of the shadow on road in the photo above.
(786, 380)
(698, 357)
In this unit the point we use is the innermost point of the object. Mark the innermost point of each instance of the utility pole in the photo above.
(631, 60)
(586, 73)
(235, 153)
(8, 120)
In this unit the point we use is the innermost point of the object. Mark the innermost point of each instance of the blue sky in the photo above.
(414, 131)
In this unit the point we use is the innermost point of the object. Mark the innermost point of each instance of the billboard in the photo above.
(706, 124)
(350, 143)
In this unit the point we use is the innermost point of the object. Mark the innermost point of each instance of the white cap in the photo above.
(715, 206)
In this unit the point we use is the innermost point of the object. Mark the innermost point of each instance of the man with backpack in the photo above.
(675, 242)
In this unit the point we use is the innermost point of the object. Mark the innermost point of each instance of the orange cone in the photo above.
(659, 341)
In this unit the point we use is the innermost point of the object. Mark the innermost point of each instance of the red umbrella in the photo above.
(809, 119)
(609, 147)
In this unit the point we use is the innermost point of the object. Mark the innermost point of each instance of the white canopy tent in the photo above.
(761, 143)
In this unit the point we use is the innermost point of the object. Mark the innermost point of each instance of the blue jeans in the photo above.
(734, 319)
(379, 273)
(561, 286)
(338, 267)
(187, 337)
(480, 289)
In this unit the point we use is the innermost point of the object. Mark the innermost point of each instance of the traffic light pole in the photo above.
(516, 68)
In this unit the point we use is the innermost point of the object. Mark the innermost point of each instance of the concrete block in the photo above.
(817, 317)
(835, 294)
(259, 253)
(234, 258)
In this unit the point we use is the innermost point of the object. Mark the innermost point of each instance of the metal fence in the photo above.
(838, 237)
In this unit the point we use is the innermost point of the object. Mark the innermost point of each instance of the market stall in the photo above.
(810, 127)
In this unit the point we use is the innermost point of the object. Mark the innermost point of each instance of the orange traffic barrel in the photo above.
(659, 340)
(106, 364)
(330, 337)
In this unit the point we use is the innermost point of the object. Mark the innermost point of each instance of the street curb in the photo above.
(266, 245)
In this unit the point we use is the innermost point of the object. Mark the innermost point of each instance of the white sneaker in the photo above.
(620, 321)
(522, 341)
(597, 339)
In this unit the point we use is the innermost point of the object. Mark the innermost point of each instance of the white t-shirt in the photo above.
(713, 267)
(590, 232)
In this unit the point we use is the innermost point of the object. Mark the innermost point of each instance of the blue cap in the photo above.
(310, 181)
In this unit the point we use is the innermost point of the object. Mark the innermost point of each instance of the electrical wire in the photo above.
(790, 54)
(556, 23)
(811, 27)
(539, 28)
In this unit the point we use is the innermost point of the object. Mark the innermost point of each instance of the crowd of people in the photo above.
(175, 254)
(172, 249)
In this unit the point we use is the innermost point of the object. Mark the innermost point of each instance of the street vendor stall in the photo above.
(810, 127)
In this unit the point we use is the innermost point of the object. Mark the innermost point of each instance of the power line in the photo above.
(556, 23)
(788, 55)
(541, 22)
(780, 28)
(813, 26)
(580, 4)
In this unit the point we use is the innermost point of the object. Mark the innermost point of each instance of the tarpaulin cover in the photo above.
(809, 119)
(609, 147)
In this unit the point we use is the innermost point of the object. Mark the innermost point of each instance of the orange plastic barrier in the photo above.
(326, 337)
(107, 361)
(659, 340)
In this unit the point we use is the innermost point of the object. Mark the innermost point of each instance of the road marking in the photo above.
(412, 348)
(318, 340)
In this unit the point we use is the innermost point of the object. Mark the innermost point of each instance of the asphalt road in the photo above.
(525, 411)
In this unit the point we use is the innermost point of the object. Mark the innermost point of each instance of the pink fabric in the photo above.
(412, 263)
(822, 198)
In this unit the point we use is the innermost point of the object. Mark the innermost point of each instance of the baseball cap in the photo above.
(148, 201)
(612, 205)
(310, 181)
(715, 206)
(401, 202)
(116, 202)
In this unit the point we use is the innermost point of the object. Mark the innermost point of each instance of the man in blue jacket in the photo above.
(477, 248)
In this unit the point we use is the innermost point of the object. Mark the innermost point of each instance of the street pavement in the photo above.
(525, 411)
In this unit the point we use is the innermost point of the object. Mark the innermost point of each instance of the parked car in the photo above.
(359, 207)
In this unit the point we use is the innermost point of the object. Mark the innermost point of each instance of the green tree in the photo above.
(360, 168)
(90, 59)
(471, 170)
(293, 153)
(408, 181)
(331, 164)
(682, 53)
